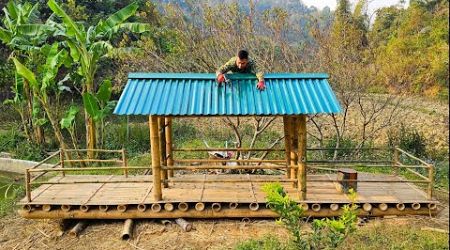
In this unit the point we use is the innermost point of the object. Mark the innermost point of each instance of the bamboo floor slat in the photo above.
(208, 188)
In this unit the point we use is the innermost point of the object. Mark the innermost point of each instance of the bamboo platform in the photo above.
(97, 197)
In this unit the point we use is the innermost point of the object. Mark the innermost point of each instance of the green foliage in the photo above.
(12, 141)
(290, 212)
(328, 233)
(69, 119)
(268, 242)
(408, 139)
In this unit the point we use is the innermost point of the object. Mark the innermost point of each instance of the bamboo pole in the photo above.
(61, 160)
(293, 148)
(334, 207)
(127, 231)
(169, 153)
(27, 185)
(103, 208)
(383, 206)
(431, 179)
(287, 144)
(227, 149)
(84, 208)
(216, 207)
(156, 168)
(122, 208)
(230, 160)
(76, 230)
(301, 175)
(156, 207)
(417, 174)
(169, 207)
(142, 207)
(367, 207)
(413, 157)
(233, 205)
(124, 162)
(94, 150)
(46, 159)
(66, 208)
(162, 150)
(400, 206)
(396, 161)
(199, 206)
(93, 160)
(225, 167)
(186, 226)
(42, 174)
(207, 213)
(183, 206)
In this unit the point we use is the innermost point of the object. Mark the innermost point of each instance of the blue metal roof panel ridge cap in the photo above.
(142, 75)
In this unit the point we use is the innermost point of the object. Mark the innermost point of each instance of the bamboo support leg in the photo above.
(162, 150)
(156, 167)
(301, 175)
(124, 162)
(431, 181)
(294, 148)
(61, 159)
(287, 144)
(168, 143)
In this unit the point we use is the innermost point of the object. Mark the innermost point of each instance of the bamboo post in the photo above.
(169, 156)
(396, 161)
(61, 159)
(431, 181)
(156, 167)
(124, 162)
(162, 150)
(301, 175)
(27, 185)
(287, 146)
(293, 148)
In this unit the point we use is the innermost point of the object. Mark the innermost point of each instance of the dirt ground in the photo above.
(19, 233)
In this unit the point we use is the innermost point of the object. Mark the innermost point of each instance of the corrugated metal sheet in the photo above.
(191, 94)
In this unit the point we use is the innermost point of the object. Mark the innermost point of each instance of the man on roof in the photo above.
(241, 63)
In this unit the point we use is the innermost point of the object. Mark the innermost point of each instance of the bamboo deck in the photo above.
(208, 189)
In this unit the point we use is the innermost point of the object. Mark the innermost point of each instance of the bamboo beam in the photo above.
(93, 160)
(162, 150)
(226, 167)
(81, 169)
(169, 153)
(208, 213)
(226, 149)
(301, 175)
(231, 160)
(41, 174)
(287, 144)
(156, 168)
(94, 150)
(349, 161)
(231, 180)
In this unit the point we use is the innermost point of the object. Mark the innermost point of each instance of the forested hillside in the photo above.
(404, 50)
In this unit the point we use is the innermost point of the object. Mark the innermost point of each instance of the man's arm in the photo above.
(226, 67)
(255, 70)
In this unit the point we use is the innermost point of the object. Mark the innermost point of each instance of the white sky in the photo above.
(373, 4)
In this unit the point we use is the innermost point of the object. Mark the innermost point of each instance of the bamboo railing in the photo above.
(396, 164)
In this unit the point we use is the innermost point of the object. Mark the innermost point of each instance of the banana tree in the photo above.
(46, 83)
(21, 33)
(90, 45)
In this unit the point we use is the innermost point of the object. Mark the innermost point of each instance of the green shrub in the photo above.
(15, 143)
(328, 233)
(408, 139)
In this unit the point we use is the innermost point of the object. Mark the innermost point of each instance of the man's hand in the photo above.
(221, 78)
(261, 85)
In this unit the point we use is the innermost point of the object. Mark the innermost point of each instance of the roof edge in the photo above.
(143, 75)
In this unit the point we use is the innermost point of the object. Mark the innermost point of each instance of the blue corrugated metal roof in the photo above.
(192, 94)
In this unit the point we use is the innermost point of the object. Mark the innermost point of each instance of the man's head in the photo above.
(242, 59)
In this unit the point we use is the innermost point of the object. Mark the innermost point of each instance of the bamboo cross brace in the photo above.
(203, 187)
(149, 190)
(98, 189)
(252, 190)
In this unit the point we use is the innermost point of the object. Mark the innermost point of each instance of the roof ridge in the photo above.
(151, 75)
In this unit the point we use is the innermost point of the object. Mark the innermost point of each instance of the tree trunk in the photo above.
(91, 133)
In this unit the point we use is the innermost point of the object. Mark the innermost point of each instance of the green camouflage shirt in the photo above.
(251, 68)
